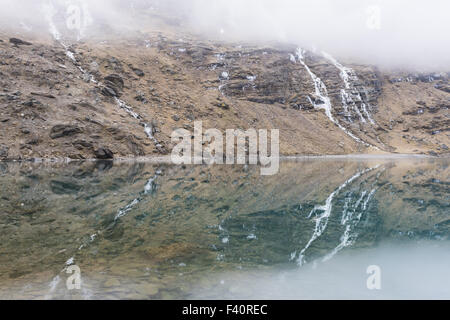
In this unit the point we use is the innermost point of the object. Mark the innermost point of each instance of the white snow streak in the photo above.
(350, 94)
(324, 103)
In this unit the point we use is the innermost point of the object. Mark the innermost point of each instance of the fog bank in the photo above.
(392, 33)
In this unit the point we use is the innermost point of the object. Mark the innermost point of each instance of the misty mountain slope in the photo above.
(124, 97)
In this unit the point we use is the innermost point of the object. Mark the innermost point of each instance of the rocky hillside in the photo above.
(123, 97)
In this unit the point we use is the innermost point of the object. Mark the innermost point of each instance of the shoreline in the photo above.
(167, 159)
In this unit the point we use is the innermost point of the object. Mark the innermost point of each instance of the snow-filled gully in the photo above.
(321, 93)
(350, 94)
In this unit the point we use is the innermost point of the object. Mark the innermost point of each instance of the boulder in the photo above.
(104, 154)
(19, 42)
(138, 72)
(113, 86)
(109, 92)
(115, 80)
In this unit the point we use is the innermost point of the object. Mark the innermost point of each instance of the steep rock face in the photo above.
(321, 105)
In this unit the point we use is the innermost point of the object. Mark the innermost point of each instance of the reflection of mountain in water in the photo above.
(308, 230)
(144, 221)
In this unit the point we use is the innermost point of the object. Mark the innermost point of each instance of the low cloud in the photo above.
(397, 33)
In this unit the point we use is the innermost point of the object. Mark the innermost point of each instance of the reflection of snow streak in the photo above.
(350, 94)
(52, 285)
(350, 219)
(321, 93)
(321, 220)
(149, 188)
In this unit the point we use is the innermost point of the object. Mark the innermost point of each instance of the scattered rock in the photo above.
(81, 144)
(3, 152)
(176, 118)
(223, 105)
(62, 130)
(33, 141)
(141, 98)
(443, 87)
(93, 67)
(115, 64)
(161, 149)
(134, 147)
(32, 103)
(104, 154)
(19, 42)
(421, 103)
(138, 72)
(45, 95)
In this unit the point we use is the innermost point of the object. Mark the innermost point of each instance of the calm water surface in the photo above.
(142, 231)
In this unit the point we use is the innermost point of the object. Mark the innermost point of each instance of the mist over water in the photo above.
(407, 271)
(390, 33)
